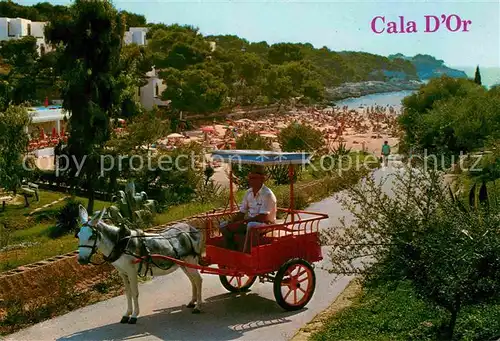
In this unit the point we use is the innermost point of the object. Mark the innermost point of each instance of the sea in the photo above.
(489, 76)
(381, 99)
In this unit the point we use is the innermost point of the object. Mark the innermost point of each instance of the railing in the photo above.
(293, 224)
(293, 227)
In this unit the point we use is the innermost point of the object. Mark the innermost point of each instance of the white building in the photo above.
(150, 94)
(136, 35)
(17, 28)
(47, 119)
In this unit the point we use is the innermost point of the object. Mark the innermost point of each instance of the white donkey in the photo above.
(122, 247)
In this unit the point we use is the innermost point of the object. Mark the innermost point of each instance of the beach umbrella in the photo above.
(207, 129)
(54, 133)
(46, 102)
(174, 136)
(42, 134)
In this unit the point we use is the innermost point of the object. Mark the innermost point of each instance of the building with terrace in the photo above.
(48, 119)
(17, 28)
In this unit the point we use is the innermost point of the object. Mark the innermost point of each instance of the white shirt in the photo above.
(263, 203)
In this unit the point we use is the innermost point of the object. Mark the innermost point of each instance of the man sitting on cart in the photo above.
(259, 203)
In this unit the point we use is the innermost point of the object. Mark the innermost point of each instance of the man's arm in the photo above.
(268, 204)
(263, 218)
(240, 216)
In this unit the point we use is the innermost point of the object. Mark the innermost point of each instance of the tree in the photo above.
(423, 236)
(90, 40)
(278, 87)
(194, 90)
(477, 76)
(135, 62)
(284, 52)
(177, 46)
(428, 120)
(19, 59)
(144, 129)
(300, 138)
(174, 176)
(134, 20)
(248, 141)
(305, 79)
(13, 146)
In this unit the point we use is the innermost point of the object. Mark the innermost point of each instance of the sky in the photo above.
(340, 25)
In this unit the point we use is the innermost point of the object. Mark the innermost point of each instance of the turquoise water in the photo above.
(50, 107)
(389, 98)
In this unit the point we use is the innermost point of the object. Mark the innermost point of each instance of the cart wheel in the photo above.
(294, 284)
(237, 284)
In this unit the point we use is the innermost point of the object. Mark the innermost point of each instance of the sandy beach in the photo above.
(363, 128)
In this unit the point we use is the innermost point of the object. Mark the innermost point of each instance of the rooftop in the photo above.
(47, 114)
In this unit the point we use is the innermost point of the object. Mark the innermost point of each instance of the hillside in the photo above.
(45, 11)
(334, 68)
(429, 67)
(250, 73)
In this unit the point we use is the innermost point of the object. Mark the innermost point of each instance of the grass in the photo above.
(17, 315)
(45, 248)
(394, 312)
(46, 197)
(35, 229)
(465, 182)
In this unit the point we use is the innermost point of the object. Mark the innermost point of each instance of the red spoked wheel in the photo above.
(294, 284)
(237, 283)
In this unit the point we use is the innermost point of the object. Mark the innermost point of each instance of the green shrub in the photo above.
(300, 138)
(393, 311)
(67, 219)
(280, 176)
(248, 141)
(448, 254)
(208, 192)
(178, 181)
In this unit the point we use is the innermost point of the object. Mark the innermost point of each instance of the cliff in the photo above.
(429, 67)
(359, 89)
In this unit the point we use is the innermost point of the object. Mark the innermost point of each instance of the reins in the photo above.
(144, 252)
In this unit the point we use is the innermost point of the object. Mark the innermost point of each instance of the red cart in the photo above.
(282, 253)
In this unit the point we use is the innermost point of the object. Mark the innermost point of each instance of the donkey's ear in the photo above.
(84, 216)
(98, 217)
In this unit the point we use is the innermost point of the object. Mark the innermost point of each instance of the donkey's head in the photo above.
(89, 235)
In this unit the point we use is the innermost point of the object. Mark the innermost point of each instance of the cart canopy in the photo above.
(261, 157)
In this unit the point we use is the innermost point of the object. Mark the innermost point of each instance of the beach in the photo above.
(360, 124)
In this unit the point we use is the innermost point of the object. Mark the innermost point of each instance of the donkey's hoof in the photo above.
(133, 320)
(190, 305)
(196, 311)
(124, 319)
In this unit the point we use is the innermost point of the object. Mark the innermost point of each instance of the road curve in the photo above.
(225, 316)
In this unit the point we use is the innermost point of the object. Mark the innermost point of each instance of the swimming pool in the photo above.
(50, 107)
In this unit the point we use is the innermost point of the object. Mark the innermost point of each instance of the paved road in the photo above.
(225, 316)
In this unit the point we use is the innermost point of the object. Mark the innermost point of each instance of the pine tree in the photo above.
(477, 76)
(89, 41)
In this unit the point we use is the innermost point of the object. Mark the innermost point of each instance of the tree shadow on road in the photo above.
(223, 317)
